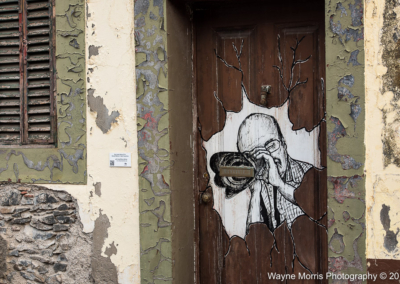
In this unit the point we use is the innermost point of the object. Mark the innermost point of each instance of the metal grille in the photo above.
(27, 73)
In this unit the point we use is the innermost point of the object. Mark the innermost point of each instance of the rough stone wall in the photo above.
(345, 114)
(153, 140)
(382, 128)
(66, 163)
(41, 238)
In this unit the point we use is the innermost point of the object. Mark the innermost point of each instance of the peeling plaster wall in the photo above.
(382, 87)
(108, 204)
(345, 114)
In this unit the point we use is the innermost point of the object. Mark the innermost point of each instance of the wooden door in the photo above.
(250, 227)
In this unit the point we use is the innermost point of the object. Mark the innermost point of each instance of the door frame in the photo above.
(184, 210)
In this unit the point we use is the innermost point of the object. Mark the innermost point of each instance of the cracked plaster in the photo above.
(382, 141)
(111, 191)
(153, 141)
(345, 128)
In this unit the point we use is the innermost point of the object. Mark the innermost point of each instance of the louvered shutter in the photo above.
(39, 83)
(10, 40)
(33, 50)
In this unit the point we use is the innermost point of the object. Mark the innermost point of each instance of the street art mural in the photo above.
(263, 141)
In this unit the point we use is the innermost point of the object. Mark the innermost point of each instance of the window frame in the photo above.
(24, 142)
(65, 161)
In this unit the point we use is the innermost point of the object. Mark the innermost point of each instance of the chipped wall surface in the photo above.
(107, 197)
(66, 162)
(382, 47)
(108, 203)
(153, 140)
(110, 198)
(345, 114)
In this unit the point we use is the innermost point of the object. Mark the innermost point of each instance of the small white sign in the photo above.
(120, 160)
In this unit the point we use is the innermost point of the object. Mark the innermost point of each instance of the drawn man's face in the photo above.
(260, 132)
(277, 150)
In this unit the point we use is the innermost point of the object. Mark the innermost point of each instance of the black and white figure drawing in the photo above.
(263, 139)
(262, 146)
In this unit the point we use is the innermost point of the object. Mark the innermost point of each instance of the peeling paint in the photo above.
(97, 189)
(104, 120)
(74, 43)
(103, 270)
(153, 140)
(353, 58)
(141, 7)
(355, 110)
(345, 136)
(390, 240)
(339, 132)
(335, 241)
(341, 187)
(356, 13)
(93, 50)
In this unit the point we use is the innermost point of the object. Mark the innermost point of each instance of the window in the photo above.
(27, 72)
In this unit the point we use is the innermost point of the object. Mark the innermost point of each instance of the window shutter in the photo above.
(27, 72)
(39, 82)
(10, 40)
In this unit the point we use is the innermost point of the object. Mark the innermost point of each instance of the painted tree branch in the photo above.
(290, 87)
(238, 55)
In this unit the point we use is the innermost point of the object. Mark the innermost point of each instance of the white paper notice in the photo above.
(120, 160)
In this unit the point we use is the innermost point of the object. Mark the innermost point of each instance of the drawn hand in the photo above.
(270, 172)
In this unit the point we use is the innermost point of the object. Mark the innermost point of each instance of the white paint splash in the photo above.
(301, 145)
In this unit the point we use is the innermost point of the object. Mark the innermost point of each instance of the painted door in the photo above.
(261, 153)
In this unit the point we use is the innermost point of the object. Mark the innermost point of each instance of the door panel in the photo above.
(239, 48)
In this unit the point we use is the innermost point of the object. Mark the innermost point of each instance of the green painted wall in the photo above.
(66, 163)
(345, 125)
(153, 141)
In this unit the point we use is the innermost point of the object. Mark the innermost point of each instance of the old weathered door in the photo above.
(261, 152)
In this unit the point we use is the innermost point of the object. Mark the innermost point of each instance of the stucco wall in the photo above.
(382, 85)
(111, 193)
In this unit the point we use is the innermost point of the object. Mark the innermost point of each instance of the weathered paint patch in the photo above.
(355, 110)
(341, 187)
(74, 43)
(345, 110)
(104, 120)
(353, 58)
(336, 243)
(103, 270)
(141, 7)
(338, 132)
(93, 50)
(390, 240)
(97, 189)
(153, 140)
